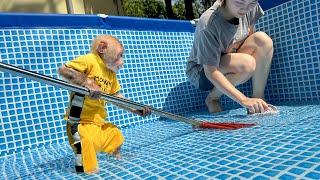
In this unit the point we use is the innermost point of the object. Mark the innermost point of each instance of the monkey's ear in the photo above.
(102, 46)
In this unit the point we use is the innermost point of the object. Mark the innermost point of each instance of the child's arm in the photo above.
(223, 84)
(143, 112)
(251, 30)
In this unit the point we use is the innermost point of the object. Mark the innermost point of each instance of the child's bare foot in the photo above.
(214, 106)
(93, 172)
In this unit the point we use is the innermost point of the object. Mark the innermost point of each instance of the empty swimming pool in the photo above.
(281, 146)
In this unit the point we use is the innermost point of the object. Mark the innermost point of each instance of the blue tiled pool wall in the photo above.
(295, 73)
(267, 4)
(31, 113)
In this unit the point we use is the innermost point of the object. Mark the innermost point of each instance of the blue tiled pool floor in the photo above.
(283, 146)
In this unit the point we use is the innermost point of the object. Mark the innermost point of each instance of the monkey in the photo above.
(88, 131)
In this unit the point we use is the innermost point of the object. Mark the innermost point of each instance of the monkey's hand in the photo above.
(94, 89)
(142, 112)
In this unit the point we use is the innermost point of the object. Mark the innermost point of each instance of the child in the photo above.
(86, 127)
(227, 52)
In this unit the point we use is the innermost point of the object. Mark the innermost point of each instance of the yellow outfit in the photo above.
(92, 134)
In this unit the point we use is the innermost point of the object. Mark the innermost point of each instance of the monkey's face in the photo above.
(113, 58)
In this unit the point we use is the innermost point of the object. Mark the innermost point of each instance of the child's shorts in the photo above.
(204, 83)
(88, 139)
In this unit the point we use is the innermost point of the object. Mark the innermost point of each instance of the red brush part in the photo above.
(224, 125)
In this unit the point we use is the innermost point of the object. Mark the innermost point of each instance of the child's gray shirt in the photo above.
(213, 37)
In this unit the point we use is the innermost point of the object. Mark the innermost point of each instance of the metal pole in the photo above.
(82, 90)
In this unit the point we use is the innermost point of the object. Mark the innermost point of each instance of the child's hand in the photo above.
(255, 105)
(94, 89)
(142, 112)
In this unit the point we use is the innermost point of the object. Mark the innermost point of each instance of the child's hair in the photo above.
(223, 2)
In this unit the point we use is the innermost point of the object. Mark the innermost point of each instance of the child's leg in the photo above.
(205, 84)
(212, 101)
(260, 46)
(237, 68)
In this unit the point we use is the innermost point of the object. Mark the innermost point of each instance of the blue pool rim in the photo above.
(38, 20)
